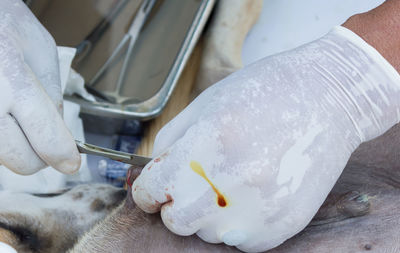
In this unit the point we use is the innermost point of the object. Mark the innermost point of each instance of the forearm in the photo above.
(380, 28)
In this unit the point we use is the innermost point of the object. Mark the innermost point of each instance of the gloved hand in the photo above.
(251, 160)
(32, 132)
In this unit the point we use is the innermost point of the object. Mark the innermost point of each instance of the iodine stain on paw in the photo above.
(196, 167)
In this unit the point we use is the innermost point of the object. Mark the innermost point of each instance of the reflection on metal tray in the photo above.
(157, 60)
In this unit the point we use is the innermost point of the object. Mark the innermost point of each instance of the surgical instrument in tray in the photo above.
(131, 37)
(86, 46)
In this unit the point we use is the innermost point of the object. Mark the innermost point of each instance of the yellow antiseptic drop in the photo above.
(196, 167)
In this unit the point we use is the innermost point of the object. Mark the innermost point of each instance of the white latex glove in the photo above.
(32, 132)
(5, 248)
(273, 139)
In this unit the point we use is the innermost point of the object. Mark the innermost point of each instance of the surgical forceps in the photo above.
(131, 36)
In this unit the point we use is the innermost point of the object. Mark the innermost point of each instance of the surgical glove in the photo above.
(250, 161)
(32, 132)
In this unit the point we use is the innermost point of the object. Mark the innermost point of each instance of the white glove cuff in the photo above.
(367, 85)
(387, 68)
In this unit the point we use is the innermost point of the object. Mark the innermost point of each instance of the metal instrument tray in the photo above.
(157, 60)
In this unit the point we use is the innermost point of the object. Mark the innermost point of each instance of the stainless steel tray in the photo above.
(158, 58)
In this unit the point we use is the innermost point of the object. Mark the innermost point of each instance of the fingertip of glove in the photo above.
(174, 222)
(26, 171)
(70, 165)
(6, 248)
(24, 166)
(143, 199)
(234, 237)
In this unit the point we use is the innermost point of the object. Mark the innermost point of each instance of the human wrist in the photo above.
(380, 28)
